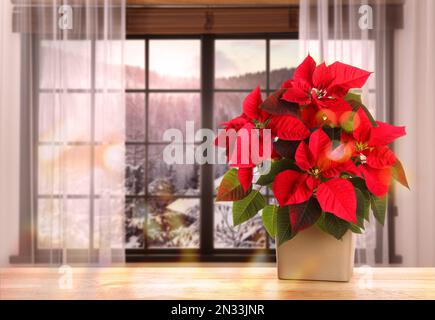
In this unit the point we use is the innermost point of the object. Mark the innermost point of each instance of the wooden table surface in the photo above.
(209, 281)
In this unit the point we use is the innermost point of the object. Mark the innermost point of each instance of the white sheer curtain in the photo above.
(414, 87)
(71, 128)
(342, 30)
(9, 133)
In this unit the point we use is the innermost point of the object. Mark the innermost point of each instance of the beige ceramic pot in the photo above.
(315, 255)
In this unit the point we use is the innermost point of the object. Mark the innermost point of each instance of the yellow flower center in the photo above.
(361, 146)
(320, 93)
(315, 172)
(261, 125)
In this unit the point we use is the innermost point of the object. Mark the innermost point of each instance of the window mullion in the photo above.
(92, 180)
(146, 108)
(267, 94)
(206, 185)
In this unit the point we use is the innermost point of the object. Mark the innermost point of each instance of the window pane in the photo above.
(240, 64)
(134, 223)
(109, 59)
(110, 118)
(48, 223)
(113, 226)
(135, 170)
(171, 111)
(174, 64)
(135, 64)
(173, 223)
(227, 105)
(65, 64)
(64, 166)
(247, 235)
(169, 179)
(59, 115)
(135, 122)
(284, 58)
(76, 215)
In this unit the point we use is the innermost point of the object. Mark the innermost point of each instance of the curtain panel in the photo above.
(71, 129)
(414, 83)
(360, 33)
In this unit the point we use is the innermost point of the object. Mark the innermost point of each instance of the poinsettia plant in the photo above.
(329, 160)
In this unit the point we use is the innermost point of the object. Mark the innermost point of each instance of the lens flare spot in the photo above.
(349, 120)
(326, 117)
(113, 157)
(342, 153)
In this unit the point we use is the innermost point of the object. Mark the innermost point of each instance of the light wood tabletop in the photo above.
(208, 281)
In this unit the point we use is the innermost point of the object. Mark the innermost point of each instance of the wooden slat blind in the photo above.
(162, 21)
(173, 21)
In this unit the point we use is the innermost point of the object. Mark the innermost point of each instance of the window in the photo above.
(193, 62)
(163, 92)
(78, 180)
(240, 66)
(164, 78)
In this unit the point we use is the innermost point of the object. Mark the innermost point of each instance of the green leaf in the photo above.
(367, 199)
(286, 148)
(347, 125)
(353, 96)
(269, 218)
(333, 225)
(230, 188)
(276, 167)
(355, 102)
(304, 215)
(363, 207)
(379, 207)
(359, 183)
(283, 226)
(333, 133)
(248, 207)
(354, 228)
(398, 173)
(277, 106)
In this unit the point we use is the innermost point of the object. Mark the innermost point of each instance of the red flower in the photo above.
(285, 127)
(250, 125)
(321, 87)
(370, 146)
(321, 168)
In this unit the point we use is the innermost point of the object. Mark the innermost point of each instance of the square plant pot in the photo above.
(315, 255)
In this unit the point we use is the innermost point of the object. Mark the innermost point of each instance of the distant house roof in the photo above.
(183, 205)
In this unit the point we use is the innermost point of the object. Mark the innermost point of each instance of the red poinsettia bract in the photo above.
(375, 158)
(249, 126)
(334, 166)
(320, 174)
(320, 90)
